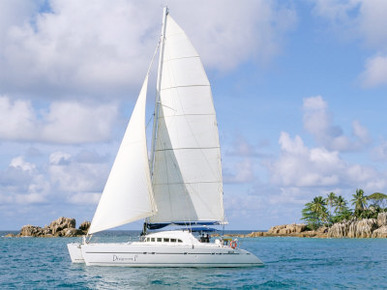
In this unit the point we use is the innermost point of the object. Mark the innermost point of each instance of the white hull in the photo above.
(148, 254)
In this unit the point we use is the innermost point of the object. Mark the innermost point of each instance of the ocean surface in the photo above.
(290, 263)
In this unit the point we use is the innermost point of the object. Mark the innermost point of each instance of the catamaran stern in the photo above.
(75, 253)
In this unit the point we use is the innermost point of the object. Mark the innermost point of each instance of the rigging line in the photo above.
(153, 57)
(150, 119)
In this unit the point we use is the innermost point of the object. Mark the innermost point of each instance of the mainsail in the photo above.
(187, 174)
(128, 195)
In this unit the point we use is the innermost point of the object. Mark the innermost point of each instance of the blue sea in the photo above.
(290, 263)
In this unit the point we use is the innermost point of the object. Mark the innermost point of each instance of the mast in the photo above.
(158, 89)
(157, 101)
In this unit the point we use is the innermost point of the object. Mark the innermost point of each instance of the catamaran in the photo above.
(180, 184)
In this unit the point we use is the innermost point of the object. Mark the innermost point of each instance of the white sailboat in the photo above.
(181, 184)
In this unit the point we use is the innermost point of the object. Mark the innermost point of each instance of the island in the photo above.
(331, 217)
(61, 227)
(363, 228)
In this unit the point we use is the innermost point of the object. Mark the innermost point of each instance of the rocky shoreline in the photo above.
(62, 227)
(364, 228)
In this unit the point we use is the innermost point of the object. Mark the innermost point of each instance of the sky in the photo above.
(300, 90)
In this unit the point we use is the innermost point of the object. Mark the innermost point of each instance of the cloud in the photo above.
(72, 122)
(73, 177)
(250, 29)
(79, 48)
(23, 183)
(63, 122)
(85, 198)
(303, 167)
(19, 117)
(318, 122)
(300, 166)
(364, 20)
(16, 13)
(65, 179)
(242, 171)
(379, 153)
(360, 132)
(242, 148)
(375, 73)
(103, 48)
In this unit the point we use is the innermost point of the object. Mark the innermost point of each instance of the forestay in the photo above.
(128, 195)
(187, 176)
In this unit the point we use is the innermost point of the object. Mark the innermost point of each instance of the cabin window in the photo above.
(147, 239)
(173, 240)
(152, 239)
(179, 241)
(159, 239)
(166, 240)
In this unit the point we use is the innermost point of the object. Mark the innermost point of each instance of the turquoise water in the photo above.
(290, 263)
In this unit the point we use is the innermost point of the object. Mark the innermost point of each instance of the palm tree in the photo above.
(315, 212)
(318, 206)
(310, 216)
(340, 204)
(331, 201)
(359, 201)
(341, 210)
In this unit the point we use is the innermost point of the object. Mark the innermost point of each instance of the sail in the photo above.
(128, 195)
(187, 174)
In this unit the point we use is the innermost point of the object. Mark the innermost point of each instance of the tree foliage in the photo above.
(378, 199)
(332, 209)
(315, 213)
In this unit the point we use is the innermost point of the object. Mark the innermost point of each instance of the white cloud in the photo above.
(79, 47)
(63, 122)
(375, 72)
(16, 13)
(19, 162)
(66, 179)
(372, 22)
(379, 153)
(303, 167)
(365, 20)
(249, 29)
(85, 198)
(361, 132)
(74, 177)
(17, 119)
(23, 183)
(59, 158)
(318, 122)
(300, 166)
(242, 171)
(71, 122)
(100, 48)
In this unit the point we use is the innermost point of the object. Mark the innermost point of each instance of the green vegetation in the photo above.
(333, 209)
